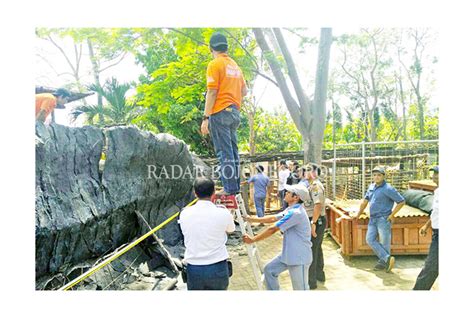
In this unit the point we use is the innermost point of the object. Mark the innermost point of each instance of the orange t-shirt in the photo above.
(226, 76)
(45, 101)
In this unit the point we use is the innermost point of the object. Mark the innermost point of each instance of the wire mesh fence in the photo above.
(349, 171)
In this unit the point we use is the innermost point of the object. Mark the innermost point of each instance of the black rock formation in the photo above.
(85, 207)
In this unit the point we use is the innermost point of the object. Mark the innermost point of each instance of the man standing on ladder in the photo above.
(225, 90)
(296, 255)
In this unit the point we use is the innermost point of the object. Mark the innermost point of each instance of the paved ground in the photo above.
(342, 273)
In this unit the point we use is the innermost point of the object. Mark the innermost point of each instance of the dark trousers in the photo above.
(316, 270)
(281, 195)
(429, 273)
(208, 277)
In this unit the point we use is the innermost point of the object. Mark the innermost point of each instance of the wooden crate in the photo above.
(426, 185)
(350, 234)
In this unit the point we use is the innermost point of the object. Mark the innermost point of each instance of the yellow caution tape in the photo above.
(120, 252)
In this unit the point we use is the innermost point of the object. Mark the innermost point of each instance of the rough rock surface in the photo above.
(83, 211)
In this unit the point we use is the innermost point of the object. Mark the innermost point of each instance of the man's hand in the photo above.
(423, 230)
(205, 127)
(354, 215)
(313, 230)
(247, 239)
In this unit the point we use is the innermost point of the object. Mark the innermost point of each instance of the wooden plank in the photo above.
(406, 237)
(413, 237)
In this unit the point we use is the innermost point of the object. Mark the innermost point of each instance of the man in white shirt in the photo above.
(429, 273)
(205, 227)
(283, 175)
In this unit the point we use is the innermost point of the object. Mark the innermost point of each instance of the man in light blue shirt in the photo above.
(381, 196)
(296, 255)
(260, 183)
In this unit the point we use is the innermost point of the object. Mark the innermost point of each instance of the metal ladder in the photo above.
(236, 203)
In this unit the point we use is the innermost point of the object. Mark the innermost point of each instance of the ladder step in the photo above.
(254, 251)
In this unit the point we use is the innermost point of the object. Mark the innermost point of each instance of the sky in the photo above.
(268, 96)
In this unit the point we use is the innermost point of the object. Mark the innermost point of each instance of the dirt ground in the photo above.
(342, 273)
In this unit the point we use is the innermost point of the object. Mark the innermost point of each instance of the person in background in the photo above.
(293, 177)
(283, 175)
(303, 178)
(316, 209)
(260, 183)
(429, 273)
(381, 196)
(47, 102)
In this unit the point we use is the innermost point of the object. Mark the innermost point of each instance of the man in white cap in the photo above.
(296, 255)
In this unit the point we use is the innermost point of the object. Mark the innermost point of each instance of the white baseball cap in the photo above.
(298, 189)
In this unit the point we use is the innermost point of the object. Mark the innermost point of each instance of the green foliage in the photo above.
(170, 95)
(275, 132)
(173, 89)
(117, 109)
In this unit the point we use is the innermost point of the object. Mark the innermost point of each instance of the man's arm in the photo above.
(317, 211)
(362, 207)
(46, 107)
(399, 205)
(244, 91)
(316, 214)
(261, 236)
(263, 219)
(210, 101)
(424, 228)
(41, 116)
(211, 96)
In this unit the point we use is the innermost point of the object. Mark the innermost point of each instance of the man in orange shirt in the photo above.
(46, 103)
(225, 90)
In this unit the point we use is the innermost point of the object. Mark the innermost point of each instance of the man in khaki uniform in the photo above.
(315, 208)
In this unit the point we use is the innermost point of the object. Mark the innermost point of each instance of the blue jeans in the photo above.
(298, 274)
(260, 206)
(223, 128)
(208, 277)
(381, 226)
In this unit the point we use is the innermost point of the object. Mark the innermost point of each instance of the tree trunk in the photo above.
(309, 118)
(421, 115)
(402, 100)
(310, 149)
(373, 129)
(251, 117)
(318, 109)
(95, 68)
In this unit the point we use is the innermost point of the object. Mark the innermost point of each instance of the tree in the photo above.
(176, 62)
(107, 47)
(117, 109)
(365, 62)
(308, 115)
(415, 67)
